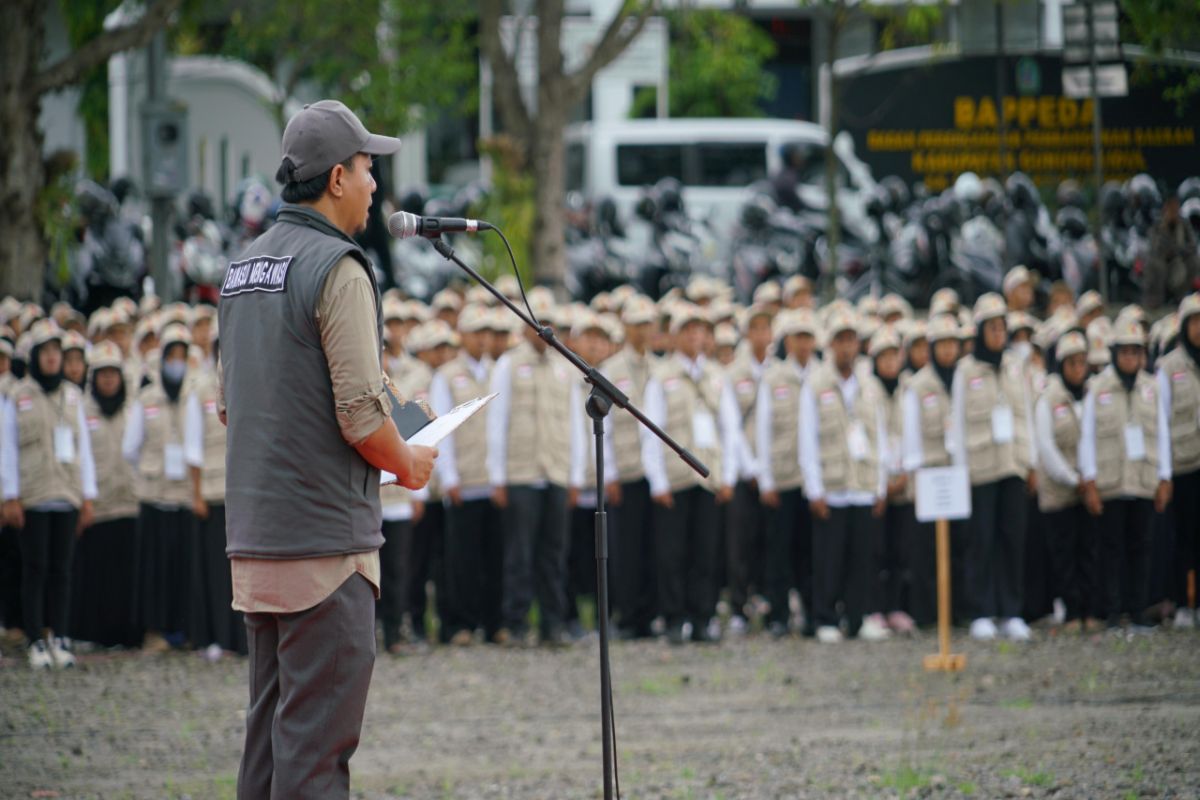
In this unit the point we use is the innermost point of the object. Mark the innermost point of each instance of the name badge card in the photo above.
(856, 440)
(64, 444)
(704, 430)
(174, 467)
(1002, 425)
(1135, 442)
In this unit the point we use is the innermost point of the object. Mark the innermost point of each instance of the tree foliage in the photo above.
(716, 66)
(1164, 26)
(390, 60)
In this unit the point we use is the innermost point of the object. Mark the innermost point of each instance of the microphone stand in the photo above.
(603, 397)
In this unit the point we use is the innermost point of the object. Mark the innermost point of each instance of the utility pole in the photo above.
(160, 205)
(1097, 145)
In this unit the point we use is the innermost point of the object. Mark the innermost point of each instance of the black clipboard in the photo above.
(409, 417)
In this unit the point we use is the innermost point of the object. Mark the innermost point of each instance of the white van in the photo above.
(714, 159)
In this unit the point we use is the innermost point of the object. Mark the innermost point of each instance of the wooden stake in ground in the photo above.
(944, 660)
(943, 494)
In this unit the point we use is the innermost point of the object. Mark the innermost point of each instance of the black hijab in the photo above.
(110, 405)
(49, 383)
(984, 354)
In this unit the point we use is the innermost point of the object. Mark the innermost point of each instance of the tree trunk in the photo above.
(22, 254)
(549, 228)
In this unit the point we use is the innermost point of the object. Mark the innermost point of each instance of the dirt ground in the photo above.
(1095, 717)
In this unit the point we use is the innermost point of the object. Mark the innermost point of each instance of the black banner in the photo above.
(933, 121)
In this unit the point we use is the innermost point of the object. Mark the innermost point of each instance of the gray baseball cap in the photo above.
(326, 133)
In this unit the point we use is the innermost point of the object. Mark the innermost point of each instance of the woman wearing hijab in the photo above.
(75, 366)
(926, 419)
(106, 555)
(213, 622)
(153, 444)
(49, 482)
(1070, 537)
(1125, 460)
(991, 430)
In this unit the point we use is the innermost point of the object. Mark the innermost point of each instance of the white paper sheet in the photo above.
(443, 426)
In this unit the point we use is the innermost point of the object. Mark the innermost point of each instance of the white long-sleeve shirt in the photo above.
(764, 421)
(655, 409)
(1087, 438)
(193, 432)
(442, 402)
(10, 458)
(810, 450)
(913, 436)
(1051, 461)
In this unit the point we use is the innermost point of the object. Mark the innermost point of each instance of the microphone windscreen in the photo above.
(402, 224)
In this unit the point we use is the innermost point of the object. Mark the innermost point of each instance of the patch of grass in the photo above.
(1017, 702)
(687, 773)
(656, 687)
(906, 778)
(1137, 774)
(1030, 777)
(1006, 648)
(967, 787)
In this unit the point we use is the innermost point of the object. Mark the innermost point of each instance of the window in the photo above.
(729, 163)
(576, 166)
(643, 164)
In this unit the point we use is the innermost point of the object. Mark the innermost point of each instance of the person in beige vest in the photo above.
(1179, 388)
(891, 601)
(925, 443)
(154, 444)
(745, 531)
(10, 549)
(473, 541)
(632, 555)
(212, 621)
(105, 569)
(1070, 536)
(49, 482)
(780, 482)
(991, 417)
(689, 399)
(1125, 453)
(528, 461)
(843, 451)
(589, 338)
(75, 349)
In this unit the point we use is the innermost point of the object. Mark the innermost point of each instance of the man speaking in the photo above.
(308, 431)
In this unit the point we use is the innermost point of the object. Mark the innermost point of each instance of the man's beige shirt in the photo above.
(346, 319)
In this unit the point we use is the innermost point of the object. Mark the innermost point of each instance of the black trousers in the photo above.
(428, 568)
(745, 545)
(1125, 526)
(164, 546)
(535, 557)
(47, 549)
(474, 564)
(1186, 500)
(1040, 587)
(581, 559)
(895, 571)
(995, 556)
(103, 579)
(631, 558)
(1073, 543)
(686, 556)
(844, 565)
(789, 561)
(309, 674)
(10, 577)
(394, 572)
(210, 600)
(923, 599)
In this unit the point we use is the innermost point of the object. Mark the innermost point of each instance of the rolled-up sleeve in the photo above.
(346, 317)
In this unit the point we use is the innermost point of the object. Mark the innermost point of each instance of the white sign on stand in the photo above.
(943, 493)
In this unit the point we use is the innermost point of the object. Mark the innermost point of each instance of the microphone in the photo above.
(403, 225)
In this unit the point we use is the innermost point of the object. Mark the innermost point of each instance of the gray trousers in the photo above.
(309, 675)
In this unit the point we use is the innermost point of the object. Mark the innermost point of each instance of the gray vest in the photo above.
(294, 487)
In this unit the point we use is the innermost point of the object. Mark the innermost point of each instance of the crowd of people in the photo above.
(1080, 432)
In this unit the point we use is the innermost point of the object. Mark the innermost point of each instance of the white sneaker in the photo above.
(1016, 630)
(1185, 618)
(60, 649)
(983, 630)
(213, 653)
(873, 629)
(737, 625)
(39, 655)
(827, 634)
